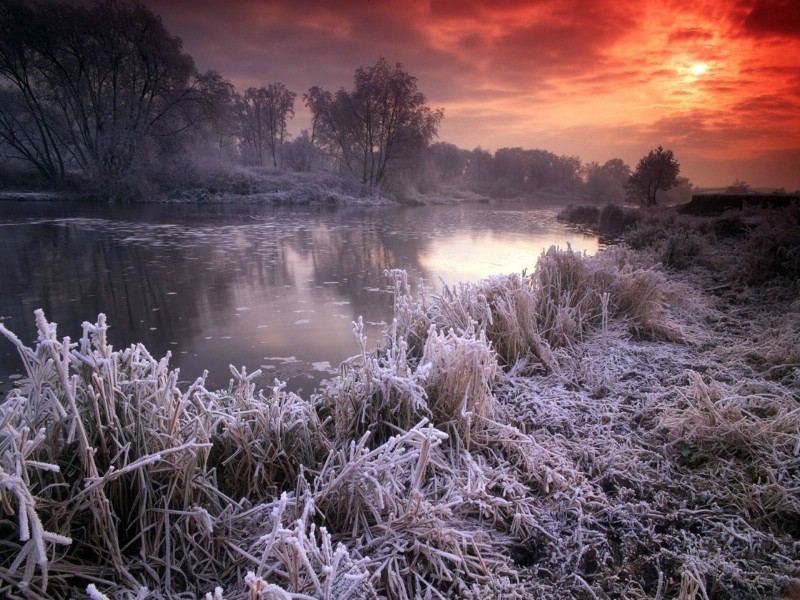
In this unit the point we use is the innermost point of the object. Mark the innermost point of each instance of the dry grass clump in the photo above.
(386, 503)
(504, 307)
(567, 297)
(680, 249)
(749, 441)
(117, 481)
(295, 558)
(460, 371)
(261, 443)
(577, 295)
(376, 395)
(122, 448)
(432, 507)
(646, 234)
(411, 313)
(673, 240)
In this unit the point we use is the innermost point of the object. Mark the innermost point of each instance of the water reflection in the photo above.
(252, 286)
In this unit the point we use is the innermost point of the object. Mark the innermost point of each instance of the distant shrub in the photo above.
(615, 220)
(580, 214)
(738, 187)
(729, 227)
(772, 251)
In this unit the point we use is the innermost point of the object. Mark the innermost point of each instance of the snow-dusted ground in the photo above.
(31, 196)
(602, 427)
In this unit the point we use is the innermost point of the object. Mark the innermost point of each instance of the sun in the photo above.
(699, 69)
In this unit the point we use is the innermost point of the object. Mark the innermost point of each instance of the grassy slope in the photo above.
(624, 425)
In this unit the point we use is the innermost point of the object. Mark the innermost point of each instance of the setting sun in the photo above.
(699, 69)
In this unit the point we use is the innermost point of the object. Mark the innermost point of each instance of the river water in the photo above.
(248, 285)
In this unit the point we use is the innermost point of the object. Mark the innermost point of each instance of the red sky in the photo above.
(718, 81)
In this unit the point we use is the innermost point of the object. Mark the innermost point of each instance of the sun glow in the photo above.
(699, 69)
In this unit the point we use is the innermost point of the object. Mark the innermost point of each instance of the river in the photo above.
(264, 287)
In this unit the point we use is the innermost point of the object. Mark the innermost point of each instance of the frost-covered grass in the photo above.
(608, 426)
(251, 184)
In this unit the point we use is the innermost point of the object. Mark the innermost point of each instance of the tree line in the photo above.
(103, 92)
(510, 172)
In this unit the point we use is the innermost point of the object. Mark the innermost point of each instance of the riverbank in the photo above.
(259, 185)
(619, 425)
(248, 185)
(233, 185)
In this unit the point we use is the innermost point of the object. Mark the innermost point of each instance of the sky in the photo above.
(717, 81)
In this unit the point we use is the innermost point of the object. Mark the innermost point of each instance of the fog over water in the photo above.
(255, 286)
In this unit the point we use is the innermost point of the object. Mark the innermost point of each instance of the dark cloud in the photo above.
(772, 17)
(768, 105)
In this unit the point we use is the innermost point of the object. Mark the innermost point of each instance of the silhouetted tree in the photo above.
(738, 187)
(447, 161)
(515, 170)
(85, 85)
(657, 171)
(546, 169)
(265, 111)
(379, 125)
(205, 131)
(606, 183)
(511, 168)
(479, 167)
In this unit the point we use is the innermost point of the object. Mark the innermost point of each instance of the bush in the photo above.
(614, 220)
(580, 215)
(730, 227)
(772, 251)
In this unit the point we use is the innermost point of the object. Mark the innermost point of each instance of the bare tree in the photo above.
(657, 171)
(265, 111)
(204, 131)
(85, 85)
(381, 124)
